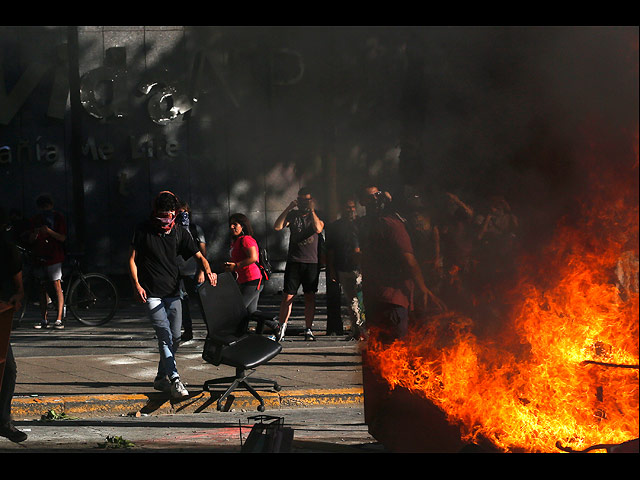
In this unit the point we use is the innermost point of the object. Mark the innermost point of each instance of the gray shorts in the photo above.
(48, 272)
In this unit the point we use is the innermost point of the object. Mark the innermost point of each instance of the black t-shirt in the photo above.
(157, 258)
(342, 239)
(303, 239)
(10, 264)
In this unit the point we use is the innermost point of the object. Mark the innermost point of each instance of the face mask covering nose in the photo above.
(165, 220)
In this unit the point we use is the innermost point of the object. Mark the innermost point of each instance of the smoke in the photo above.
(532, 114)
(505, 108)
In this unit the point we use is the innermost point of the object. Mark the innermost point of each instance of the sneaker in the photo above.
(308, 335)
(162, 384)
(187, 335)
(42, 324)
(283, 328)
(58, 325)
(12, 433)
(355, 338)
(178, 390)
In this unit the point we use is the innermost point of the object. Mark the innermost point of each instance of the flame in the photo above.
(563, 371)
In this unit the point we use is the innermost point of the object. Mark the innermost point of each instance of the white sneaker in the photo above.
(283, 328)
(178, 390)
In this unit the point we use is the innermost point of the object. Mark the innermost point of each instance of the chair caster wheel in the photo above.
(277, 387)
(261, 408)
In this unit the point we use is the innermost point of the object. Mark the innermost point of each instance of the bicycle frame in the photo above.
(33, 285)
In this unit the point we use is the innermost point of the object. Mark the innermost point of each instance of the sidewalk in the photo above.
(108, 370)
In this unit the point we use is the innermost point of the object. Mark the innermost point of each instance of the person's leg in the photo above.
(285, 308)
(57, 286)
(349, 287)
(309, 309)
(173, 306)
(389, 322)
(251, 295)
(44, 301)
(40, 273)
(289, 290)
(7, 429)
(52, 288)
(166, 317)
(159, 315)
(8, 387)
(310, 279)
(187, 288)
(334, 307)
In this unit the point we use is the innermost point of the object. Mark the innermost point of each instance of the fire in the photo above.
(563, 373)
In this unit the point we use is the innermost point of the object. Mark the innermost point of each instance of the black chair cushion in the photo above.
(250, 351)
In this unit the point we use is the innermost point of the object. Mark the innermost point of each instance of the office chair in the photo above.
(228, 341)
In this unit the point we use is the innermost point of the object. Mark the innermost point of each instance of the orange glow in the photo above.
(563, 372)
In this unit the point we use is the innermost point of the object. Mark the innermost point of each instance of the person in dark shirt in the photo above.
(190, 275)
(390, 272)
(302, 259)
(154, 272)
(11, 292)
(392, 285)
(343, 271)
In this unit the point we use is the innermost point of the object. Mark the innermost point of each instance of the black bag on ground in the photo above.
(271, 437)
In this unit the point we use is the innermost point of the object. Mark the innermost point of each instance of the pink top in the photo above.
(238, 253)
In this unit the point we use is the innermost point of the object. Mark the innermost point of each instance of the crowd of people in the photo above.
(390, 265)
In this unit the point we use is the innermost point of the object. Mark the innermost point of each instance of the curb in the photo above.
(86, 406)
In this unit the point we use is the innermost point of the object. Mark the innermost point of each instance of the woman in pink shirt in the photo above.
(244, 255)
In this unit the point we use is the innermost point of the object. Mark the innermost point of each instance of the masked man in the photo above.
(154, 272)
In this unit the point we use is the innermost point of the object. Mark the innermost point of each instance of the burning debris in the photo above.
(562, 373)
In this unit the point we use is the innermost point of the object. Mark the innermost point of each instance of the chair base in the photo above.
(240, 380)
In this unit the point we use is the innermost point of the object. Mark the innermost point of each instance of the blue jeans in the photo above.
(166, 317)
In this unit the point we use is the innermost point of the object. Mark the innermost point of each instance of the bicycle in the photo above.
(92, 298)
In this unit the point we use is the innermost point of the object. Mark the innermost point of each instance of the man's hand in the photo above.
(422, 299)
(213, 278)
(16, 301)
(141, 294)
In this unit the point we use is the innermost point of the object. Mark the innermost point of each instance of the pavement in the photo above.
(85, 372)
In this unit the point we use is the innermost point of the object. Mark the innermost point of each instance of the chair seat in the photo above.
(250, 351)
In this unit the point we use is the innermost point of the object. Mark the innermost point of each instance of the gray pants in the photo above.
(251, 294)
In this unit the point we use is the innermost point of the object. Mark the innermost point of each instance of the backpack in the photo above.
(263, 264)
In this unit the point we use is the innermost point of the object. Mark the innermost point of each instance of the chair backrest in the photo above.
(222, 306)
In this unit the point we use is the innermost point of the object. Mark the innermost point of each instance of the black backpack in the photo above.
(264, 264)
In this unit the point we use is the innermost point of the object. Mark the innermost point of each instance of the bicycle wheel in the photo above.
(93, 299)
